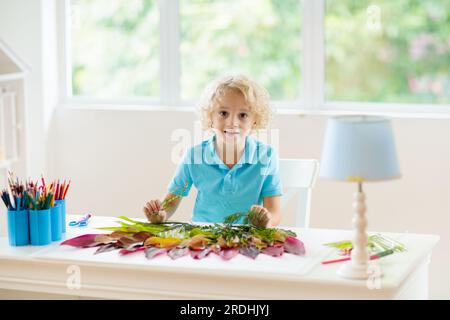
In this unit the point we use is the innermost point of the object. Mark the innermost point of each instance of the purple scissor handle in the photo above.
(83, 222)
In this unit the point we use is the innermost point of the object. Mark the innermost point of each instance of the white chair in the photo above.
(299, 176)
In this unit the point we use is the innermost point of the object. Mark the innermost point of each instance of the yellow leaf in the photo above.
(278, 236)
(162, 242)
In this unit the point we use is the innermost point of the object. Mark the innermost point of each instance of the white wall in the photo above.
(21, 28)
(119, 159)
(25, 40)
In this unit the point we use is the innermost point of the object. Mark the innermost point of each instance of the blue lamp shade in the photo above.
(359, 148)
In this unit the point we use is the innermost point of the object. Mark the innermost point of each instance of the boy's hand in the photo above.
(153, 212)
(260, 217)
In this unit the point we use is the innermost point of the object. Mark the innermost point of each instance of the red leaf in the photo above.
(274, 251)
(84, 241)
(228, 253)
(106, 248)
(249, 251)
(151, 252)
(200, 254)
(126, 241)
(176, 253)
(294, 246)
(126, 251)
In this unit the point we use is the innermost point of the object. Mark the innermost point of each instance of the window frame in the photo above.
(312, 87)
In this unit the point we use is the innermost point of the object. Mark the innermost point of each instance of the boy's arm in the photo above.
(157, 211)
(172, 202)
(273, 204)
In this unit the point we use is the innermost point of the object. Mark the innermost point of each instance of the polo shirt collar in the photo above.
(249, 156)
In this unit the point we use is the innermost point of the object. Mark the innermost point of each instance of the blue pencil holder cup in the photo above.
(18, 228)
(40, 227)
(62, 204)
(56, 222)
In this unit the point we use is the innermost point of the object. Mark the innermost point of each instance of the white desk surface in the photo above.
(283, 276)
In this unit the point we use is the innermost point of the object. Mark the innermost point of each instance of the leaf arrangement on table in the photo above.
(177, 239)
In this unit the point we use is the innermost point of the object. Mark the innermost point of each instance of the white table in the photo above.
(56, 269)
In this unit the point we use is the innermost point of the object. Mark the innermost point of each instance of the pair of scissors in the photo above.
(83, 222)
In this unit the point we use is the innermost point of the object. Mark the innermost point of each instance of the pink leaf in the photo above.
(294, 246)
(176, 253)
(273, 251)
(200, 254)
(228, 253)
(128, 251)
(249, 251)
(106, 248)
(152, 252)
(131, 246)
(84, 241)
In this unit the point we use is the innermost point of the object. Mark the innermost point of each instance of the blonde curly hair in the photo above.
(256, 97)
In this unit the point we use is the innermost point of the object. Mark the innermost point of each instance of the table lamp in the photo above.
(359, 149)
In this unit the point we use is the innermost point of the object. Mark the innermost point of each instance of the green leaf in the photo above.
(127, 219)
(376, 243)
(235, 217)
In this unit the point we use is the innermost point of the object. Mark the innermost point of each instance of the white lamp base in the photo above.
(360, 266)
(354, 271)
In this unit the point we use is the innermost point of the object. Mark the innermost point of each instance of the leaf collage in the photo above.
(178, 239)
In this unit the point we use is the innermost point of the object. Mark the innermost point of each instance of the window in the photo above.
(347, 55)
(229, 36)
(114, 48)
(388, 51)
(119, 49)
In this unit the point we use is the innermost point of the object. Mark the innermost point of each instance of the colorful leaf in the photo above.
(257, 242)
(127, 242)
(133, 245)
(119, 234)
(128, 251)
(221, 242)
(163, 242)
(84, 241)
(249, 251)
(228, 253)
(279, 236)
(200, 254)
(106, 248)
(176, 253)
(104, 238)
(142, 235)
(198, 242)
(294, 246)
(152, 252)
(274, 251)
(235, 217)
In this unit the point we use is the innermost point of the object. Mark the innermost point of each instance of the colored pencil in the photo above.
(67, 188)
(57, 190)
(373, 257)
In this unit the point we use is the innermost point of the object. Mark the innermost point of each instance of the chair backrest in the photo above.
(299, 176)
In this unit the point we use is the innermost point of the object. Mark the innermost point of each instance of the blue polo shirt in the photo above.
(222, 191)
